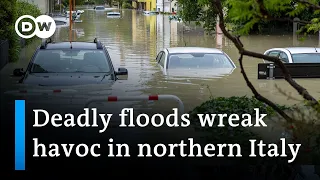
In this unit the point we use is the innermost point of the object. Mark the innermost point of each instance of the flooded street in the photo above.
(76, 105)
(134, 40)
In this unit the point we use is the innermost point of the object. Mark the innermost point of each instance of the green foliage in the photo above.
(90, 2)
(10, 10)
(191, 10)
(102, 1)
(248, 15)
(57, 7)
(239, 135)
(231, 105)
(8, 16)
(14, 39)
(126, 5)
(78, 2)
(24, 8)
(235, 105)
(305, 127)
(65, 3)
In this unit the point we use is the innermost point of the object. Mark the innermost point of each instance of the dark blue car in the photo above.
(65, 63)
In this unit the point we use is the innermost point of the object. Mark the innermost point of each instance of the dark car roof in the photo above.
(75, 45)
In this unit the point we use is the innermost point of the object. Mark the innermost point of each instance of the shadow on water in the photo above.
(134, 40)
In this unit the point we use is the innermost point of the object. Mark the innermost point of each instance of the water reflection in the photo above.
(134, 40)
(203, 74)
(80, 32)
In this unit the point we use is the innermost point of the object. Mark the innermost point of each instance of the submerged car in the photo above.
(195, 61)
(65, 63)
(61, 21)
(150, 12)
(113, 15)
(295, 54)
(99, 8)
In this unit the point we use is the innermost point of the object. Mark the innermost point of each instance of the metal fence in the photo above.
(4, 53)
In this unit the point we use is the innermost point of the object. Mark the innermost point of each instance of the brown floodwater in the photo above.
(134, 40)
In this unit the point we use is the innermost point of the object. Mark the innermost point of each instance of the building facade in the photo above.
(43, 5)
(145, 5)
(164, 6)
(174, 6)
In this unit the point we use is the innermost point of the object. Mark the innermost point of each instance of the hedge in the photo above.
(10, 10)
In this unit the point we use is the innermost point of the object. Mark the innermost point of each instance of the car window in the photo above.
(58, 23)
(306, 58)
(162, 59)
(159, 56)
(274, 53)
(283, 56)
(68, 61)
(99, 8)
(199, 60)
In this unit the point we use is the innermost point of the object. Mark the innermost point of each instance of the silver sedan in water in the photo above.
(295, 54)
(194, 62)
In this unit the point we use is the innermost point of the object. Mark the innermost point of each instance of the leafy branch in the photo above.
(246, 14)
(243, 52)
(308, 3)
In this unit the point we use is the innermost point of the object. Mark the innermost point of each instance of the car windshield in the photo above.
(199, 60)
(59, 23)
(306, 58)
(100, 8)
(68, 61)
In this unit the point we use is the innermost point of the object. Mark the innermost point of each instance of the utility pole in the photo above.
(163, 6)
(295, 29)
(60, 6)
(163, 25)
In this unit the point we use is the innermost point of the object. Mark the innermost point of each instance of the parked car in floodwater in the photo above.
(114, 15)
(65, 64)
(99, 8)
(61, 21)
(193, 61)
(296, 54)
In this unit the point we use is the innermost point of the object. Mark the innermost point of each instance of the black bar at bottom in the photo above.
(296, 70)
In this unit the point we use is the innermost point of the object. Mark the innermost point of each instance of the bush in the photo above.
(239, 135)
(10, 10)
(57, 7)
(8, 17)
(90, 2)
(127, 5)
(232, 105)
(166, 13)
(305, 129)
(24, 8)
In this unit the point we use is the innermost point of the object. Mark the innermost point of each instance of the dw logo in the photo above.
(44, 28)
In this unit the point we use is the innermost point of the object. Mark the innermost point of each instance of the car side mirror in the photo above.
(18, 72)
(122, 71)
(122, 74)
